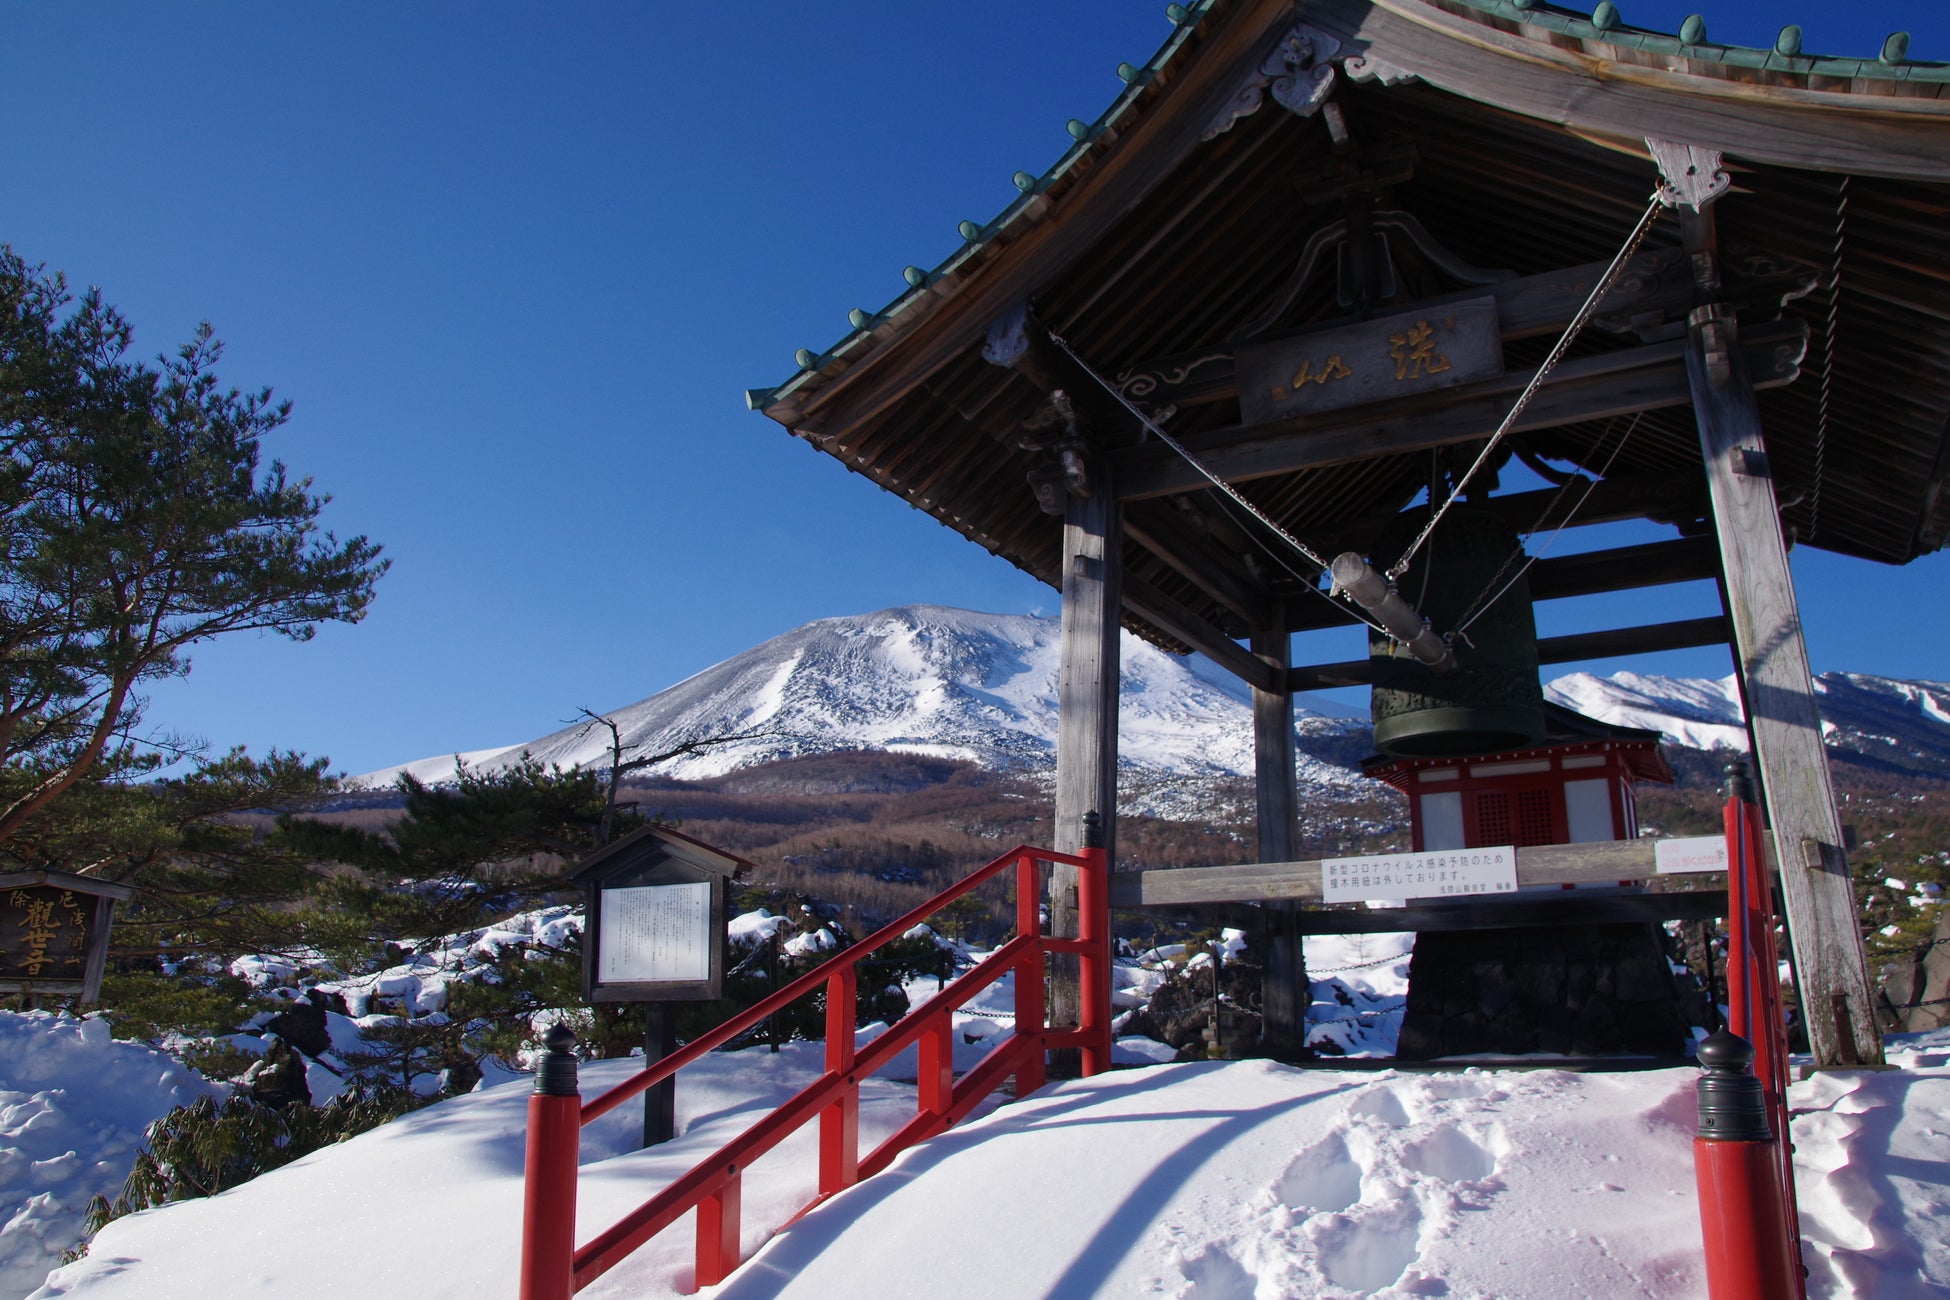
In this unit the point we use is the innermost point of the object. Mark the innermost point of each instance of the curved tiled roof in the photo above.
(1601, 34)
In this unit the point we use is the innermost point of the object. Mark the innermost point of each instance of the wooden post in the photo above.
(1285, 995)
(1086, 705)
(1836, 992)
(660, 1099)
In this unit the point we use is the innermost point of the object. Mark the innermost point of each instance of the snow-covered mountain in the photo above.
(1878, 722)
(921, 679)
(1697, 712)
(952, 683)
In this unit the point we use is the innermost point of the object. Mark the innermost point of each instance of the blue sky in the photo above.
(515, 266)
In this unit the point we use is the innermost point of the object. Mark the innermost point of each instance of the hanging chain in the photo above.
(1564, 342)
(1226, 488)
(1192, 460)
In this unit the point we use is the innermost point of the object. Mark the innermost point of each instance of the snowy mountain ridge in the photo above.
(921, 679)
(953, 683)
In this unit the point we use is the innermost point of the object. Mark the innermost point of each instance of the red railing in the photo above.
(1744, 1159)
(554, 1268)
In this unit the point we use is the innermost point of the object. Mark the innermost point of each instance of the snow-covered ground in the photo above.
(1202, 1182)
(73, 1107)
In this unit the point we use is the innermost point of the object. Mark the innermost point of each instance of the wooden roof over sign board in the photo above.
(1497, 146)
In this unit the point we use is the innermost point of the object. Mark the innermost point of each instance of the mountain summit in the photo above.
(952, 683)
(922, 679)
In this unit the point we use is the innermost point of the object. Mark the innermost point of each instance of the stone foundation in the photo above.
(1595, 990)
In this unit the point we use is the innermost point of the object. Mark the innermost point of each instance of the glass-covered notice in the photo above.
(654, 933)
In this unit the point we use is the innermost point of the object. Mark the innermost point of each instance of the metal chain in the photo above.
(1355, 1019)
(1359, 965)
(1571, 332)
(1226, 488)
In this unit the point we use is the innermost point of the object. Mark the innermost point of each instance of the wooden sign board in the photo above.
(1372, 361)
(654, 919)
(54, 932)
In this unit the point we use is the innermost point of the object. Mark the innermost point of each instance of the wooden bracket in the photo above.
(1693, 176)
(1299, 73)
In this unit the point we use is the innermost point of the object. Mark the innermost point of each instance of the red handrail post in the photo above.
(1743, 1157)
(548, 1207)
(937, 1067)
(1751, 1253)
(717, 1229)
(1030, 993)
(839, 1123)
(1093, 984)
(1739, 965)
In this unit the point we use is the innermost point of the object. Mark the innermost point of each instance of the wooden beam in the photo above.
(1529, 912)
(1177, 621)
(1603, 862)
(1831, 966)
(1683, 634)
(1654, 288)
(1646, 378)
(1851, 130)
(1199, 560)
(1663, 497)
(1624, 568)
(1086, 710)
(1558, 577)
(1650, 638)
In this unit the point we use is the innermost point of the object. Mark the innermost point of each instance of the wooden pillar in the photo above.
(1286, 993)
(1086, 705)
(659, 1100)
(1833, 970)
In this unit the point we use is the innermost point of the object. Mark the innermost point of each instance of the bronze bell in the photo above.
(1493, 701)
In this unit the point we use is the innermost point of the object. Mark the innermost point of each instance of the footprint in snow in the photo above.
(1213, 1274)
(1380, 1104)
(1446, 1152)
(1323, 1178)
(1373, 1250)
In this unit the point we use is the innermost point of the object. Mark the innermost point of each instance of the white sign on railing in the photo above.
(1690, 853)
(1443, 873)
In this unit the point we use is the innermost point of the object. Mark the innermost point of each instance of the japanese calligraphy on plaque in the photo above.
(1372, 361)
(656, 932)
(44, 933)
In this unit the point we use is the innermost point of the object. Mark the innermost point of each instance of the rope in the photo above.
(1828, 359)
(1224, 487)
(1571, 332)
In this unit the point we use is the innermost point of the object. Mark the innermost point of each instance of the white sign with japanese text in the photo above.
(654, 933)
(1444, 873)
(1690, 853)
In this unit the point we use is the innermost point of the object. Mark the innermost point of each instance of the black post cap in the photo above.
(1740, 781)
(555, 1075)
(1732, 1105)
(1093, 830)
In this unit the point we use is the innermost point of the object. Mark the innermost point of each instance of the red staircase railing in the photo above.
(1743, 1157)
(554, 1268)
